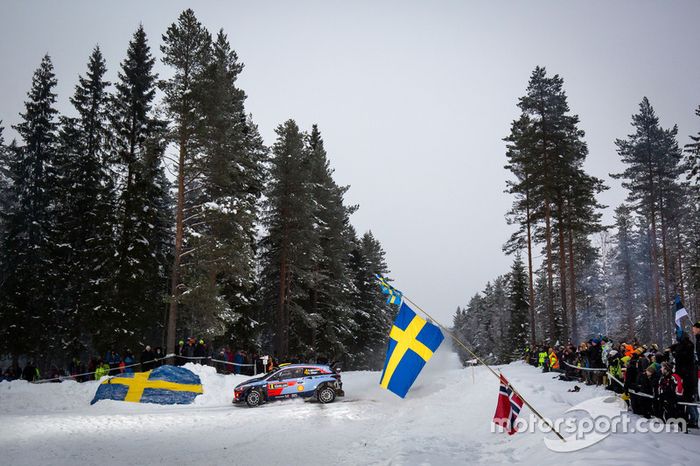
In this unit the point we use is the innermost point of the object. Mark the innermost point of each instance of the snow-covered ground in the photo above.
(445, 419)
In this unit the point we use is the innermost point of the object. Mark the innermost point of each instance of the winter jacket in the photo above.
(595, 357)
(615, 368)
(101, 371)
(541, 358)
(113, 359)
(147, 360)
(553, 360)
(158, 355)
(685, 365)
(671, 387)
(128, 361)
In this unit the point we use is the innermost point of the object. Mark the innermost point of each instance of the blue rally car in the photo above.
(290, 381)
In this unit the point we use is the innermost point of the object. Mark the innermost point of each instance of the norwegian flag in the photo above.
(508, 407)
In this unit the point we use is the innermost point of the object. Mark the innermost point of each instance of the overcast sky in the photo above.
(413, 98)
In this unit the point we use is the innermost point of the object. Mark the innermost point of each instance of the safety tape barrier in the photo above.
(590, 369)
(72, 376)
(210, 358)
(647, 395)
(167, 356)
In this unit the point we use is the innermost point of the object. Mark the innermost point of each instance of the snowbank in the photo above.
(21, 397)
(445, 419)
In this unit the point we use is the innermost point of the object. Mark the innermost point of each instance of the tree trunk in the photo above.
(572, 283)
(655, 277)
(531, 307)
(667, 282)
(550, 281)
(282, 335)
(629, 314)
(562, 270)
(679, 258)
(179, 235)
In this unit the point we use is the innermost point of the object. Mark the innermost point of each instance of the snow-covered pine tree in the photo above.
(144, 213)
(83, 236)
(692, 162)
(371, 315)
(691, 226)
(4, 183)
(27, 279)
(589, 290)
(652, 159)
(220, 273)
(624, 271)
(517, 336)
(290, 247)
(330, 297)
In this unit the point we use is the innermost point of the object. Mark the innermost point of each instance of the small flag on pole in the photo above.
(680, 311)
(394, 295)
(508, 408)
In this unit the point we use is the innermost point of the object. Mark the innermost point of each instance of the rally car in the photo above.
(291, 381)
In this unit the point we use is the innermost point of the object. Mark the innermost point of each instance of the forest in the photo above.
(574, 277)
(155, 212)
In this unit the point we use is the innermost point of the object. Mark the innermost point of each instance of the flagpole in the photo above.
(456, 340)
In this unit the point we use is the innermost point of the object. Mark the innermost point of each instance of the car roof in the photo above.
(322, 366)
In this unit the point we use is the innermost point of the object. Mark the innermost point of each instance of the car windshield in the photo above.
(272, 375)
(287, 373)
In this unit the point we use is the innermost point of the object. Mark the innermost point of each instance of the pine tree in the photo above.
(332, 287)
(624, 268)
(590, 289)
(652, 157)
(290, 247)
(371, 315)
(523, 208)
(4, 182)
(546, 152)
(484, 324)
(27, 280)
(144, 213)
(221, 219)
(83, 237)
(518, 332)
(186, 49)
(692, 162)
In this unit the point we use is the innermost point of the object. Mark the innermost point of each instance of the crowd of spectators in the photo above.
(654, 381)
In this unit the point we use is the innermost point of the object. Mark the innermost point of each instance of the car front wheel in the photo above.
(253, 398)
(326, 394)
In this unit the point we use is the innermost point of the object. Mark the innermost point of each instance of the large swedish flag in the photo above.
(412, 342)
(164, 385)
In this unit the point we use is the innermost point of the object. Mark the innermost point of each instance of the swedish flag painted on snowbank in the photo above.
(412, 342)
(166, 385)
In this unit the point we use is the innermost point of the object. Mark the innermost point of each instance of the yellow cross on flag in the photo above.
(164, 385)
(412, 342)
